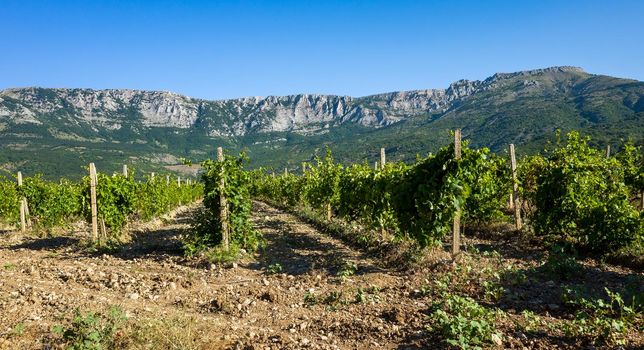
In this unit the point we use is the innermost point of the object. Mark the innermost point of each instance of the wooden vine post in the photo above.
(607, 151)
(167, 179)
(179, 181)
(92, 190)
(23, 207)
(285, 171)
(125, 170)
(382, 158)
(515, 190)
(456, 228)
(223, 204)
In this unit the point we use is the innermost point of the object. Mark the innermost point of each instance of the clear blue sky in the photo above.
(224, 49)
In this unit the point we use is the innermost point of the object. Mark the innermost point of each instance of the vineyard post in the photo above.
(152, 176)
(92, 191)
(375, 165)
(23, 202)
(223, 204)
(382, 158)
(179, 181)
(167, 179)
(607, 151)
(515, 189)
(303, 167)
(27, 215)
(286, 171)
(103, 231)
(456, 228)
(125, 170)
(511, 200)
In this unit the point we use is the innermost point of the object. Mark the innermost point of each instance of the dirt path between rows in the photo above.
(326, 296)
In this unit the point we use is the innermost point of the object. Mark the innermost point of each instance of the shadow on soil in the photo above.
(156, 244)
(299, 253)
(48, 243)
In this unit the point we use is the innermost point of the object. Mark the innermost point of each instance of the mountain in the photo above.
(57, 131)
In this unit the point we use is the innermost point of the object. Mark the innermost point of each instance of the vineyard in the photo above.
(463, 248)
(119, 198)
(574, 196)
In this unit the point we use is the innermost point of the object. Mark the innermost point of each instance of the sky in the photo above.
(228, 49)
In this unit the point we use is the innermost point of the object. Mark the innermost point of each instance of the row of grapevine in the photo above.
(120, 198)
(224, 221)
(582, 196)
(573, 194)
(419, 200)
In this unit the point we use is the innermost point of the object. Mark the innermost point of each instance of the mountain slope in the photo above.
(59, 130)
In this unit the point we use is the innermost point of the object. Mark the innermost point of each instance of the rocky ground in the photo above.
(304, 290)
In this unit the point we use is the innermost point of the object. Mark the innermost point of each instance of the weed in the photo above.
(425, 290)
(531, 322)
(493, 290)
(443, 283)
(9, 266)
(333, 298)
(372, 295)
(274, 268)
(561, 264)
(463, 323)
(347, 269)
(513, 276)
(18, 329)
(310, 298)
(220, 255)
(175, 332)
(492, 254)
(92, 331)
(604, 322)
(360, 296)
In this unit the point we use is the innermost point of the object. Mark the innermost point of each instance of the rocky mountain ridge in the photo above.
(303, 113)
(58, 131)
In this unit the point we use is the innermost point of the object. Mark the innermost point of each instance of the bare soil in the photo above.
(304, 290)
